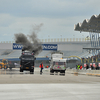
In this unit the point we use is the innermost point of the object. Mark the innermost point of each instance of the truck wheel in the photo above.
(31, 71)
(10, 68)
(5, 67)
(51, 72)
(21, 70)
(56, 72)
(62, 72)
(0, 66)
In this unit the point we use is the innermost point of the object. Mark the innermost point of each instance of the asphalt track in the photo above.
(25, 86)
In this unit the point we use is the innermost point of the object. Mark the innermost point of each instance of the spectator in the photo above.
(97, 67)
(81, 67)
(91, 67)
(78, 66)
(87, 66)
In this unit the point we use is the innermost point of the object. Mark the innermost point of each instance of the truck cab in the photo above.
(27, 62)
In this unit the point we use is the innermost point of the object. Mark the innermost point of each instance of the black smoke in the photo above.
(30, 42)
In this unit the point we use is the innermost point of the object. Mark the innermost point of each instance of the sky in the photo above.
(56, 17)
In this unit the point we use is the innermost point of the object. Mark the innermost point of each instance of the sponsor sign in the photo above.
(44, 46)
(90, 64)
(93, 64)
(84, 64)
(17, 46)
(99, 64)
(49, 47)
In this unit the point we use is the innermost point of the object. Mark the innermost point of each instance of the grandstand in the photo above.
(69, 48)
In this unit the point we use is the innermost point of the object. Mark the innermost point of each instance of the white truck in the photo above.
(57, 64)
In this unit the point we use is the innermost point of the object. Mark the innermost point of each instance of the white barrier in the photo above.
(84, 72)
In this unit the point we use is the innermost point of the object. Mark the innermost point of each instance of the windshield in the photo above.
(58, 63)
(27, 58)
(5, 61)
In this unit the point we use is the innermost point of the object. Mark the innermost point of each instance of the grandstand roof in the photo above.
(89, 25)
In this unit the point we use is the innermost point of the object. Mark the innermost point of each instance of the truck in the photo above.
(27, 61)
(4, 64)
(57, 63)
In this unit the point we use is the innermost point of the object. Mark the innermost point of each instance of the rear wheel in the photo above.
(5, 66)
(56, 72)
(31, 71)
(21, 70)
(62, 72)
(52, 72)
(10, 68)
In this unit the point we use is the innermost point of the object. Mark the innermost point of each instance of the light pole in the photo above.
(61, 37)
(73, 37)
(48, 38)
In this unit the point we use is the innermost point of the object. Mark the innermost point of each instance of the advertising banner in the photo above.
(49, 46)
(17, 46)
(93, 64)
(90, 64)
(84, 64)
(44, 46)
(99, 64)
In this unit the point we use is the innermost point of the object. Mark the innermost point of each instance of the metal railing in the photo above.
(57, 40)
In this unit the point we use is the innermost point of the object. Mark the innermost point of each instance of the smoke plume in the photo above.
(30, 42)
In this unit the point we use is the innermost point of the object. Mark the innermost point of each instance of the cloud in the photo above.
(48, 8)
(6, 20)
(58, 16)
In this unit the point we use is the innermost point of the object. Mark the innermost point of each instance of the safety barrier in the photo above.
(84, 72)
(93, 72)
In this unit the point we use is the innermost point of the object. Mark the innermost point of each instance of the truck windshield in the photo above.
(58, 63)
(5, 61)
(27, 58)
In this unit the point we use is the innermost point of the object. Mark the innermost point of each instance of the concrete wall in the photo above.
(70, 47)
(6, 45)
(73, 46)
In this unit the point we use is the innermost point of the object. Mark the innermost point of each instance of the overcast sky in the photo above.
(57, 16)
